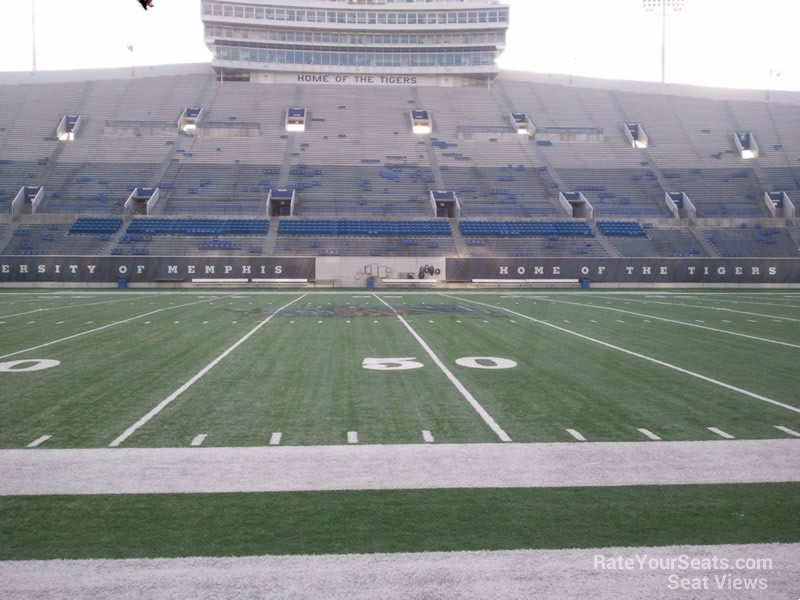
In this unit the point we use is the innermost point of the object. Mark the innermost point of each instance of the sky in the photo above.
(722, 43)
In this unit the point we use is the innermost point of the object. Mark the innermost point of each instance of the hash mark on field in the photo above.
(576, 434)
(721, 433)
(352, 437)
(199, 439)
(205, 322)
(31, 322)
(593, 321)
(791, 432)
(618, 321)
(427, 436)
(726, 321)
(275, 439)
(649, 434)
(37, 442)
(751, 321)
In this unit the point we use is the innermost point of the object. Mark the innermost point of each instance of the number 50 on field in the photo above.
(492, 363)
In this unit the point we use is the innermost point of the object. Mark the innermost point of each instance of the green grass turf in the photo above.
(304, 378)
(150, 526)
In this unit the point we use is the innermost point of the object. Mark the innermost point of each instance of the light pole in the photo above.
(33, 34)
(666, 8)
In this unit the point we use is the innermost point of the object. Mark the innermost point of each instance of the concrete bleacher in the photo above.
(364, 246)
(757, 241)
(53, 239)
(358, 159)
(731, 193)
(669, 242)
(534, 247)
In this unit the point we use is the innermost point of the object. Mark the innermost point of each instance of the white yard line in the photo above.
(649, 434)
(720, 433)
(641, 356)
(38, 310)
(717, 308)
(791, 432)
(96, 329)
(395, 467)
(487, 418)
(675, 322)
(177, 393)
(39, 441)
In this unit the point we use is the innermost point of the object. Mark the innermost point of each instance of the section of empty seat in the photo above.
(658, 242)
(525, 229)
(746, 241)
(621, 229)
(198, 227)
(305, 227)
(364, 246)
(89, 226)
(39, 240)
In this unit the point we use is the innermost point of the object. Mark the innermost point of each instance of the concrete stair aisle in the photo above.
(793, 232)
(272, 237)
(432, 158)
(117, 236)
(604, 241)
(705, 243)
(460, 242)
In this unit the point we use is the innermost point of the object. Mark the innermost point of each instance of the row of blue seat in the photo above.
(199, 227)
(621, 229)
(525, 229)
(88, 226)
(366, 228)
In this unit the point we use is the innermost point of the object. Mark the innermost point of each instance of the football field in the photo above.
(157, 370)
(216, 423)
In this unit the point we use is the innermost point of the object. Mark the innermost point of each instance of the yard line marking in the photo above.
(37, 442)
(576, 434)
(675, 322)
(164, 403)
(730, 310)
(275, 439)
(352, 437)
(791, 432)
(721, 433)
(63, 307)
(649, 434)
(114, 324)
(199, 439)
(427, 436)
(487, 418)
(650, 359)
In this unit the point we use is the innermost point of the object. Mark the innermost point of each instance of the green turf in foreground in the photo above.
(179, 525)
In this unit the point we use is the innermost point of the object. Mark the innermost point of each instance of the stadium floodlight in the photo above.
(666, 8)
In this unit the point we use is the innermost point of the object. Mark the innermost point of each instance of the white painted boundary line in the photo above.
(741, 312)
(427, 436)
(487, 418)
(791, 432)
(199, 439)
(664, 319)
(352, 437)
(38, 310)
(114, 324)
(164, 403)
(642, 356)
(649, 434)
(577, 435)
(39, 441)
(275, 439)
(721, 433)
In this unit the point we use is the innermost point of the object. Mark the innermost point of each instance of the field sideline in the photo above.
(349, 422)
